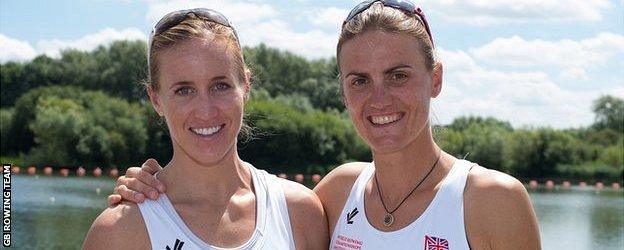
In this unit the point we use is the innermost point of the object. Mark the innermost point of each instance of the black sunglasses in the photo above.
(176, 17)
(404, 5)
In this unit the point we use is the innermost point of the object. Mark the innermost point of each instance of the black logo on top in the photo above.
(177, 246)
(351, 215)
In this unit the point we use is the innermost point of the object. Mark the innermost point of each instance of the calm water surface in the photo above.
(56, 212)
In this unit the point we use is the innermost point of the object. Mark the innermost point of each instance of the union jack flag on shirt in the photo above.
(435, 243)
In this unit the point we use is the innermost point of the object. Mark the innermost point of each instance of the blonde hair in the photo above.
(194, 27)
(390, 20)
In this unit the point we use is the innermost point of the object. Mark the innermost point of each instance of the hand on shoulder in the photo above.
(498, 212)
(119, 227)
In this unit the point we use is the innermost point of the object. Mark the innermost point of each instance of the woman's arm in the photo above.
(307, 217)
(119, 227)
(498, 212)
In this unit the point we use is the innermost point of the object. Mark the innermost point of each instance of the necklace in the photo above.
(388, 219)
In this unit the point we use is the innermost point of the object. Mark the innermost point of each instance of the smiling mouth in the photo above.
(385, 119)
(207, 131)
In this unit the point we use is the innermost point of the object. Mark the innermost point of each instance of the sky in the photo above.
(534, 63)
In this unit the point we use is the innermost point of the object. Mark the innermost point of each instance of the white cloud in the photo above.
(521, 97)
(330, 18)
(490, 12)
(239, 13)
(15, 50)
(574, 73)
(88, 42)
(261, 23)
(518, 52)
(311, 44)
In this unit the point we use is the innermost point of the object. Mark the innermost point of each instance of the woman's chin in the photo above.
(387, 144)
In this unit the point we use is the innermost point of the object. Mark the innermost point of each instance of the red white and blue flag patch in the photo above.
(435, 243)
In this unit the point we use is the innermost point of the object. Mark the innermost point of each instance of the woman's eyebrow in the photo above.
(218, 78)
(400, 66)
(356, 74)
(183, 83)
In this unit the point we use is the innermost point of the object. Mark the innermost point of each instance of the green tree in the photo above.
(6, 123)
(609, 112)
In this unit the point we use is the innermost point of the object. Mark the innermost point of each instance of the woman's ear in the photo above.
(438, 75)
(154, 99)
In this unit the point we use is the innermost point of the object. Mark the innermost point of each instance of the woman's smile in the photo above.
(206, 132)
(385, 119)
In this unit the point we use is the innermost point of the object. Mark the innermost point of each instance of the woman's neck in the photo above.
(190, 181)
(398, 172)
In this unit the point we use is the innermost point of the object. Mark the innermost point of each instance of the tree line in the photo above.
(89, 109)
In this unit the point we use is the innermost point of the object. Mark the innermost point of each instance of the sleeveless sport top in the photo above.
(440, 227)
(167, 230)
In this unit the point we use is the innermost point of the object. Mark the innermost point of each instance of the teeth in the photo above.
(380, 120)
(206, 131)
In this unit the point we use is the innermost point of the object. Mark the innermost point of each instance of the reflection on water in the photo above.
(56, 213)
(580, 219)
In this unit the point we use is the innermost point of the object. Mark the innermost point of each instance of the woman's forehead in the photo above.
(196, 59)
(378, 50)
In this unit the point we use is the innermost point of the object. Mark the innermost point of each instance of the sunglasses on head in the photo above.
(403, 5)
(174, 18)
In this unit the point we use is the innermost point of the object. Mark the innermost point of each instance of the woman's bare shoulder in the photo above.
(307, 216)
(119, 227)
(498, 211)
(341, 178)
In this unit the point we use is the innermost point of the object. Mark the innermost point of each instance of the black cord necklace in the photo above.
(389, 218)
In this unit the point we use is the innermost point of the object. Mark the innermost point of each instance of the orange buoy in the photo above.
(15, 169)
(80, 172)
(533, 184)
(47, 170)
(97, 172)
(299, 178)
(599, 185)
(114, 173)
(64, 172)
(316, 178)
(615, 186)
(283, 176)
(566, 184)
(31, 170)
(582, 184)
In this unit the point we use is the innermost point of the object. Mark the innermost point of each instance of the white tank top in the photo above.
(440, 227)
(167, 230)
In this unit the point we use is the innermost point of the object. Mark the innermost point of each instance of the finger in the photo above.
(130, 195)
(121, 180)
(138, 185)
(151, 166)
(151, 181)
(113, 200)
(133, 172)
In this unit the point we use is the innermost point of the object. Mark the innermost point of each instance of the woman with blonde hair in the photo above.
(199, 83)
(413, 194)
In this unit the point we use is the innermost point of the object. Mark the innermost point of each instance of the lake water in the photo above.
(56, 212)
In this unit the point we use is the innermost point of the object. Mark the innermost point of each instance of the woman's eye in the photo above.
(359, 81)
(220, 86)
(184, 91)
(399, 77)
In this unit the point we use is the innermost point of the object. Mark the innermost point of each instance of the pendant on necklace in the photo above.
(388, 220)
